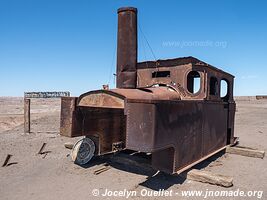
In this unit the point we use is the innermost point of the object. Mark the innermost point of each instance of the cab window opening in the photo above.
(193, 82)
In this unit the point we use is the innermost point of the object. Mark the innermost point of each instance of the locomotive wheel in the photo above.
(83, 151)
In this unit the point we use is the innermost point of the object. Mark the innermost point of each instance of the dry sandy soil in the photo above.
(54, 176)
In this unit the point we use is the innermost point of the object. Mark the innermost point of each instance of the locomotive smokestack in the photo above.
(127, 47)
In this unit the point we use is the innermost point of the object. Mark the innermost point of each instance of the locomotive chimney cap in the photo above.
(123, 9)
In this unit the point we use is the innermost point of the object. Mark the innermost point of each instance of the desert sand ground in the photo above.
(55, 176)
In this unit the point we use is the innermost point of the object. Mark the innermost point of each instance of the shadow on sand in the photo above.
(139, 163)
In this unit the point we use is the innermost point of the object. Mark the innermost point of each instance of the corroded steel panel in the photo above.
(103, 100)
(114, 98)
(179, 124)
(67, 116)
(173, 127)
(107, 124)
(230, 123)
(215, 117)
(189, 130)
(140, 133)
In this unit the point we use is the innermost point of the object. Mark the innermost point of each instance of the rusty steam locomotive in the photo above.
(154, 109)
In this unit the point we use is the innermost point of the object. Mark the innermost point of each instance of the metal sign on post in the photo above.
(46, 94)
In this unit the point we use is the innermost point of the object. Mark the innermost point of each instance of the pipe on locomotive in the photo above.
(127, 48)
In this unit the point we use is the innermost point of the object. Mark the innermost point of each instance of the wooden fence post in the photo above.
(27, 117)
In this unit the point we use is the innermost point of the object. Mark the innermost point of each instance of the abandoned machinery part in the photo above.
(83, 151)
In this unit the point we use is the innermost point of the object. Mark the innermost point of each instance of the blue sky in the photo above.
(67, 45)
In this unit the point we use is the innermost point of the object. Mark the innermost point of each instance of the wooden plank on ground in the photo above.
(208, 177)
(245, 151)
(101, 170)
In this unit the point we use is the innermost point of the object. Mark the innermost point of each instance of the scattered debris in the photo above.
(245, 151)
(102, 169)
(6, 160)
(42, 148)
(208, 177)
(6, 163)
(215, 163)
(45, 154)
(68, 145)
(41, 152)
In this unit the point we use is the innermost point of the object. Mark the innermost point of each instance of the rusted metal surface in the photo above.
(115, 98)
(127, 47)
(101, 99)
(105, 124)
(155, 107)
(183, 130)
(69, 117)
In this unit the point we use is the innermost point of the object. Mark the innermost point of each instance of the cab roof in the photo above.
(176, 62)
